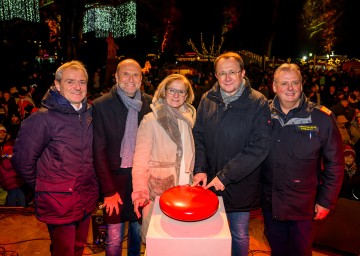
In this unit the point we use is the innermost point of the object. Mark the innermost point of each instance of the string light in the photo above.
(119, 20)
(211, 53)
(25, 9)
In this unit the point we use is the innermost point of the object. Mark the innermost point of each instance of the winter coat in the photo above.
(154, 169)
(110, 113)
(354, 131)
(351, 184)
(53, 154)
(292, 179)
(231, 142)
(156, 166)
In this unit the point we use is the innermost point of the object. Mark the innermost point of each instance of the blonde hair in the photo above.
(287, 67)
(160, 91)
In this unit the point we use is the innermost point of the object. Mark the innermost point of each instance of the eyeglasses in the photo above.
(293, 83)
(172, 91)
(231, 74)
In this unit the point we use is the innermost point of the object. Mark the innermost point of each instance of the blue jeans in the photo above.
(239, 229)
(115, 235)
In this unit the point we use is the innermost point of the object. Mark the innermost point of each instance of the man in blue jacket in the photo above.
(53, 154)
(302, 175)
(232, 137)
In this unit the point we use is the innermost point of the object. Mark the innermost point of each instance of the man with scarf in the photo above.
(232, 135)
(116, 117)
(164, 152)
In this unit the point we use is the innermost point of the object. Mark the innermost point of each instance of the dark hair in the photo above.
(229, 55)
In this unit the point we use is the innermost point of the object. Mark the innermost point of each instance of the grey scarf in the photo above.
(167, 117)
(230, 98)
(128, 142)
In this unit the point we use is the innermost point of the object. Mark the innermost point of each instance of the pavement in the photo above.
(21, 234)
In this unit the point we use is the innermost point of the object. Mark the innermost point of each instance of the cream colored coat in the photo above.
(154, 148)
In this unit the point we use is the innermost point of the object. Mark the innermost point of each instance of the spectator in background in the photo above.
(353, 101)
(53, 154)
(343, 108)
(354, 130)
(164, 152)
(330, 98)
(342, 125)
(294, 189)
(14, 126)
(116, 117)
(96, 80)
(9, 179)
(10, 107)
(351, 184)
(25, 103)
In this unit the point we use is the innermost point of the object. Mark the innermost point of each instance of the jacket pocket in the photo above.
(54, 199)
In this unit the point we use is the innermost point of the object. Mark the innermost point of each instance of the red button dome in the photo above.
(185, 203)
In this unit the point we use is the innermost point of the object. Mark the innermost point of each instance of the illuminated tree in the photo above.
(120, 20)
(212, 51)
(319, 18)
(230, 21)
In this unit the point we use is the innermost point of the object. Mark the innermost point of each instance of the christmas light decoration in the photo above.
(320, 19)
(211, 53)
(103, 19)
(24, 9)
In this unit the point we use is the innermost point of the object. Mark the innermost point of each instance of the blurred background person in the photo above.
(10, 181)
(354, 129)
(350, 188)
(341, 122)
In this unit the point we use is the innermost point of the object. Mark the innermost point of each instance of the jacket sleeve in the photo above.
(201, 164)
(30, 142)
(333, 161)
(101, 161)
(142, 157)
(256, 150)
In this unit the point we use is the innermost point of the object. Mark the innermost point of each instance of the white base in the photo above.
(167, 236)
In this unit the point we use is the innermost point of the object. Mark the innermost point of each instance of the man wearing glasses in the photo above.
(232, 137)
(116, 117)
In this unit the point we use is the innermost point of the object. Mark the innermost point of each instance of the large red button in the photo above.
(189, 204)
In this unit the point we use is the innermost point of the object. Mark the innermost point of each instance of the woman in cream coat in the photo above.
(164, 152)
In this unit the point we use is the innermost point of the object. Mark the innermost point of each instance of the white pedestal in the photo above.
(166, 236)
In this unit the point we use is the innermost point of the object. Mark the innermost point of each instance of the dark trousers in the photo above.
(289, 238)
(69, 239)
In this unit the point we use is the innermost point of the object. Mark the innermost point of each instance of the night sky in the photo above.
(254, 21)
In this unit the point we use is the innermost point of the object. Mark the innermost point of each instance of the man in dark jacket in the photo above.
(302, 175)
(53, 154)
(116, 119)
(232, 137)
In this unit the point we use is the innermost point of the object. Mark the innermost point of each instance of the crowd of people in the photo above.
(285, 140)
